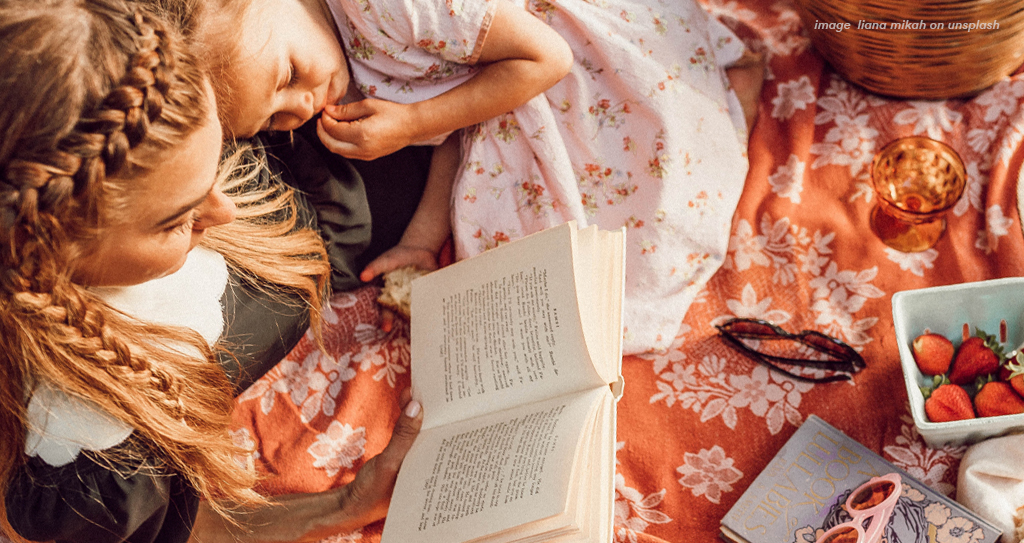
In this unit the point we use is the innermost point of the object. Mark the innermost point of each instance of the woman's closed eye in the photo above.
(185, 224)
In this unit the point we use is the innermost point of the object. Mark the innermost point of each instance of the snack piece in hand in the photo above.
(933, 353)
(998, 398)
(397, 292)
(974, 359)
(947, 403)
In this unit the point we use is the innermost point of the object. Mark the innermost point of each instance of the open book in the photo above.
(516, 358)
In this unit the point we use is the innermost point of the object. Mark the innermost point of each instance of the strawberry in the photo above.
(998, 398)
(947, 403)
(1013, 373)
(933, 353)
(974, 359)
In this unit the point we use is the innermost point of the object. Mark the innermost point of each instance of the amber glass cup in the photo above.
(917, 180)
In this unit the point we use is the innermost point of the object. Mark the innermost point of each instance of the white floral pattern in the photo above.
(852, 141)
(339, 447)
(750, 307)
(932, 119)
(344, 538)
(242, 438)
(791, 96)
(791, 250)
(915, 263)
(788, 179)
(974, 192)
(314, 384)
(1002, 99)
(997, 225)
(634, 512)
(926, 464)
(706, 389)
(709, 473)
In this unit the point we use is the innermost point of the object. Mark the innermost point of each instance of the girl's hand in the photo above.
(520, 58)
(366, 129)
(400, 256)
(396, 257)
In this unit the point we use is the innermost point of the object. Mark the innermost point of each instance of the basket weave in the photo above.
(926, 63)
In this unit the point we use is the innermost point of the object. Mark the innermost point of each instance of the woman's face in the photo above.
(166, 212)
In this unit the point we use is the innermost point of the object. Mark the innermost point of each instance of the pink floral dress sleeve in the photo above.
(408, 50)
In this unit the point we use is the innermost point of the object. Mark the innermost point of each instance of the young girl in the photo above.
(118, 241)
(642, 133)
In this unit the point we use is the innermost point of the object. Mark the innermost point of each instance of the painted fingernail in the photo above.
(412, 409)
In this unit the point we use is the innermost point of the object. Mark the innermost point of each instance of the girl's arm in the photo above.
(521, 57)
(430, 226)
(311, 517)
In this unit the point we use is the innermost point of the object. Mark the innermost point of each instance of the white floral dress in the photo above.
(643, 133)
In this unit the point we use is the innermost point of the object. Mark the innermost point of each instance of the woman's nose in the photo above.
(217, 209)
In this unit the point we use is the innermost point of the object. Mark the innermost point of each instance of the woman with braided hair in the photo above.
(118, 237)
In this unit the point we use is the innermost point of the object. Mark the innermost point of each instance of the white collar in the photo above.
(189, 297)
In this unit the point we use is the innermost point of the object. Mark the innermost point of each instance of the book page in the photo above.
(500, 329)
(600, 270)
(494, 473)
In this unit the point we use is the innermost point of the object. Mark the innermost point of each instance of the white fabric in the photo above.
(164, 301)
(991, 483)
(61, 426)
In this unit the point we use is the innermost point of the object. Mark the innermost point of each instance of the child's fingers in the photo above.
(350, 112)
(380, 265)
(373, 269)
(399, 257)
(333, 133)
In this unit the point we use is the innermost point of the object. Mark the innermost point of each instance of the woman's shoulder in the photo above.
(119, 495)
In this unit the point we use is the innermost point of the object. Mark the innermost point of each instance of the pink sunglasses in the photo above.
(873, 501)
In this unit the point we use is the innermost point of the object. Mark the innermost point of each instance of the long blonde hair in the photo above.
(89, 87)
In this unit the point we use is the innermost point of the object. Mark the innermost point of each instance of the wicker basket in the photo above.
(908, 62)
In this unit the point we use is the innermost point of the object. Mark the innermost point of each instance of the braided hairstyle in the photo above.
(93, 91)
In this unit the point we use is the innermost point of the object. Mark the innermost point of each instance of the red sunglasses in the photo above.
(835, 355)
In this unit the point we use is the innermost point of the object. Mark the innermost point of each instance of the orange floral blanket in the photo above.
(699, 422)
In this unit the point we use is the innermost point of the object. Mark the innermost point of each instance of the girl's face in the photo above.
(166, 211)
(291, 65)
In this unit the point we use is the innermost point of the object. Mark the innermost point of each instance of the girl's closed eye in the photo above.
(293, 78)
(293, 75)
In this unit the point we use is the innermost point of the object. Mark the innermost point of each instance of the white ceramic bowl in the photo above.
(944, 310)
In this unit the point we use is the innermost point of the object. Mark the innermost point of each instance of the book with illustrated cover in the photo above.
(516, 358)
(801, 493)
